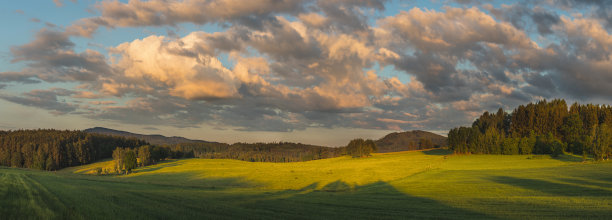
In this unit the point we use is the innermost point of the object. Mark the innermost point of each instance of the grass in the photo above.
(428, 184)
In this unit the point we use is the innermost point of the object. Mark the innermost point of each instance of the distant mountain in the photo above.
(409, 140)
(152, 139)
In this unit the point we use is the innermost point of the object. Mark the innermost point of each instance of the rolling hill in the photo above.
(408, 140)
(432, 184)
(152, 139)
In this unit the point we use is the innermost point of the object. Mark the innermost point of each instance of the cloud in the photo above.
(454, 53)
(599, 9)
(45, 99)
(524, 15)
(301, 64)
(17, 77)
(51, 57)
(60, 3)
(159, 12)
(177, 65)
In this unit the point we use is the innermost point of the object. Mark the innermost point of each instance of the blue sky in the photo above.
(318, 72)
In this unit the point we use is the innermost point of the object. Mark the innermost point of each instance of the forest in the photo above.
(48, 149)
(539, 128)
(257, 152)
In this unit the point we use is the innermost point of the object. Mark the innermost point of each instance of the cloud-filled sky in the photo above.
(312, 71)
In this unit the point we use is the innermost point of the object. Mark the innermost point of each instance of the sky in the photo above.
(312, 71)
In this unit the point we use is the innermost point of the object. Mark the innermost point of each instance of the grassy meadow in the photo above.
(428, 184)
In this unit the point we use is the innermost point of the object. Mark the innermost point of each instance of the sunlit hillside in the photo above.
(427, 184)
(388, 167)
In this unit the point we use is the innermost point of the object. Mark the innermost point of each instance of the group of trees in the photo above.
(540, 128)
(361, 148)
(48, 149)
(127, 159)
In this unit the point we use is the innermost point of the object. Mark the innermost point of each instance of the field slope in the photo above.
(428, 184)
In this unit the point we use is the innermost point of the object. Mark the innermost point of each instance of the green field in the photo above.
(429, 184)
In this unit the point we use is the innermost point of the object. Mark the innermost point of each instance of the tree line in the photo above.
(539, 128)
(257, 152)
(49, 149)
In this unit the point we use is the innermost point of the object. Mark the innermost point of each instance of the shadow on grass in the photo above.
(337, 186)
(439, 152)
(338, 200)
(158, 166)
(586, 182)
(568, 158)
(554, 188)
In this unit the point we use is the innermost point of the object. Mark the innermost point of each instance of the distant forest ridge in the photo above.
(410, 140)
(49, 149)
(154, 139)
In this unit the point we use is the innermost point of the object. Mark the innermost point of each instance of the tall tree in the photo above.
(601, 146)
(130, 160)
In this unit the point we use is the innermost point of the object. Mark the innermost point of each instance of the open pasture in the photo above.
(428, 184)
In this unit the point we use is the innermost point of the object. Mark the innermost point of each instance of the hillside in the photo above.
(408, 140)
(405, 185)
(152, 139)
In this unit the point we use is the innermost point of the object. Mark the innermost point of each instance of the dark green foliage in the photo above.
(159, 153)
(527, 144)
(253, 152)
(510, 146)
(540, 128)
(601, 146)
(425, 143)
(55, 149)
(360, 148)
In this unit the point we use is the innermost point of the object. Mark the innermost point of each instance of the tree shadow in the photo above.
(568, 158)
(337, 186)
(158, 166)
(337, 200)
(439, 152)
(590, 183)
(554, 188)
(191, 179)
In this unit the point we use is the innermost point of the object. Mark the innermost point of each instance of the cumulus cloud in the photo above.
(51, 57)
(178, 66)
(454, 53)
(298, 64)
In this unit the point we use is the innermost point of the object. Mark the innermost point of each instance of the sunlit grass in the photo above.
(431, 184)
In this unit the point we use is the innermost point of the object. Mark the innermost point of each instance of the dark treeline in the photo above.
(540, 128)
(256, 152)
(54, 149)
